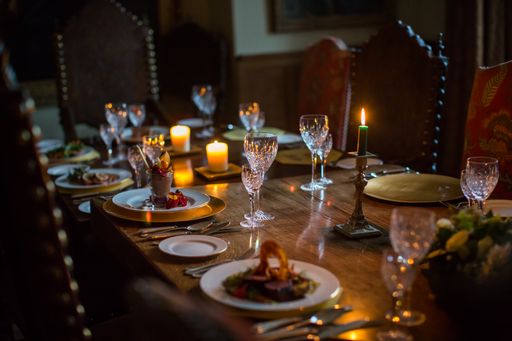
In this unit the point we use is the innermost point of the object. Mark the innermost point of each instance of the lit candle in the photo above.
(180, 138)
(217, 155)
(362, 135)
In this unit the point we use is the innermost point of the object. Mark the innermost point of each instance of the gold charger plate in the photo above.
(216, 205)
(103, 189)
(414, 188)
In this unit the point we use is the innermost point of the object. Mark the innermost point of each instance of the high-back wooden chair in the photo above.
(33, 242)
(489, 122)
(324, 85)
(400, 82)
(104, 54)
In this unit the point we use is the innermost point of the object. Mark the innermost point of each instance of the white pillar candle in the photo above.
(180, 138)
(217, 155)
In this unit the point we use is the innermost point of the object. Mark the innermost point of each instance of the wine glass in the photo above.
(137, 115)
(323, 153)
(152, 146)
(314, 130)
(412, 232)
(260, 150)
(260, 123)
(465, 190)
(252, 178)
(397, 278)
(135, 158)
(117, 116)
(249, 115)
(204, 99)
(107, 134)
(482, 174)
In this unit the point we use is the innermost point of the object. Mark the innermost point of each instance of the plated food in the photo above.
(68, 150)
(180, 199)
(82, 176)
(267, 284)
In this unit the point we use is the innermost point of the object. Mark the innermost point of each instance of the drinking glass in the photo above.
(260, 150)
(412, 231)
(117, 116)
(465, 189)
(323, 153)
(137, 164)
(398, 277)
(260, 123)
(314, 130)
(252, 178)
(204, 99)
(152, 146)
(249, 114)
(137, 115)
(107, 134)
(160, 187)
(482, 175)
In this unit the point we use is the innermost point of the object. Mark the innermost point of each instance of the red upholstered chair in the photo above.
(489, 122)
(324, 85)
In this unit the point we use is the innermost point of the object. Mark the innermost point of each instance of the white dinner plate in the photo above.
(289, 138)
(63, 181)
(503, 208)
(134, 200)
(48, 144)
(193, 246)
(328, 286)
(85, 207)
(129, 136)
(194, 122)
(64, 169)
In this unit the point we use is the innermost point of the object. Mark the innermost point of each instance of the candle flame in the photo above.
(363, 117)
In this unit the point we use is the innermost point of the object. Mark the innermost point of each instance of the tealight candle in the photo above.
(180, 138)
(217, 155)
(362, 135)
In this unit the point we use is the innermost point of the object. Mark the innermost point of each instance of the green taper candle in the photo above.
(362, 136)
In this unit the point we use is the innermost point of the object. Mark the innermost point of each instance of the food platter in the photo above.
(134, 200)
(120, 175)
(328, 287)
(414, 188)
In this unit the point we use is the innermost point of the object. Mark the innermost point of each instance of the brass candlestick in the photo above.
(357, 226)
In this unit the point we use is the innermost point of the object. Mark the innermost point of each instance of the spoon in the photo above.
(202, 225)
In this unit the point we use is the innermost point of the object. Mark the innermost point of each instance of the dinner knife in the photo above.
(164, 235)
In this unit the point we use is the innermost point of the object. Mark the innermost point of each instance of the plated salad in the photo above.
(267, 284)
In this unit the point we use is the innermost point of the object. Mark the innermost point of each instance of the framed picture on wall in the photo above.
(302, 15)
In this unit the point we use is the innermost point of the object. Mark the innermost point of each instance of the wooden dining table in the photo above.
(303, 226)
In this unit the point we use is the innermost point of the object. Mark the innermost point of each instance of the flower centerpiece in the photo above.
(470, 261)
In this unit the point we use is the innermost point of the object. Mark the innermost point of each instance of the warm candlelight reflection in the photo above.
(183, 173)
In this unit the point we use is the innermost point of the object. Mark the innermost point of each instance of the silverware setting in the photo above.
(198, 271)
(372, 175)
(205, 229)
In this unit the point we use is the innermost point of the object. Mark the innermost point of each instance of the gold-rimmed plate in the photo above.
(215, 206)
(414, 188)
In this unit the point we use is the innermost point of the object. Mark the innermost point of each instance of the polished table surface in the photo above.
(303, 226)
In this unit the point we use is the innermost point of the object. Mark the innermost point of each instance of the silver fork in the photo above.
(198, 271)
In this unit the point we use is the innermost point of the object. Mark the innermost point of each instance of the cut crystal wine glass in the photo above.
(314, 130)
(412, 231)
(152, 146)
(137, 115)
(137, 164)
(482, 174)
(107, 134)
(252, 178)
(204, 99)
(117, 116)
(465, 190)
(249, 114)
(323, 153)
(260, 150)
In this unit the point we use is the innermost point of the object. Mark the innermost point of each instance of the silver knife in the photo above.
(165, 235)
(335, 330)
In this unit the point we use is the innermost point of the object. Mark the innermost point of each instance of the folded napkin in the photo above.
(350, 163)
(302, 156)
(238, 134)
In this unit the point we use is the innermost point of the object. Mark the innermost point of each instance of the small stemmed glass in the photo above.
(252, 179)
(249, 114)
(412, 231)
(117, 116)
(152, 146)
(398, 278)
(137, 115)
(204, 99)
(107, 134)
(137, 163)
(260, 150)
(323, 153)
(482, 174)
(314, 130)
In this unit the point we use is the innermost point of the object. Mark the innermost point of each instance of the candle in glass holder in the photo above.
(217, 155)
(180, 138)
(362, 135)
